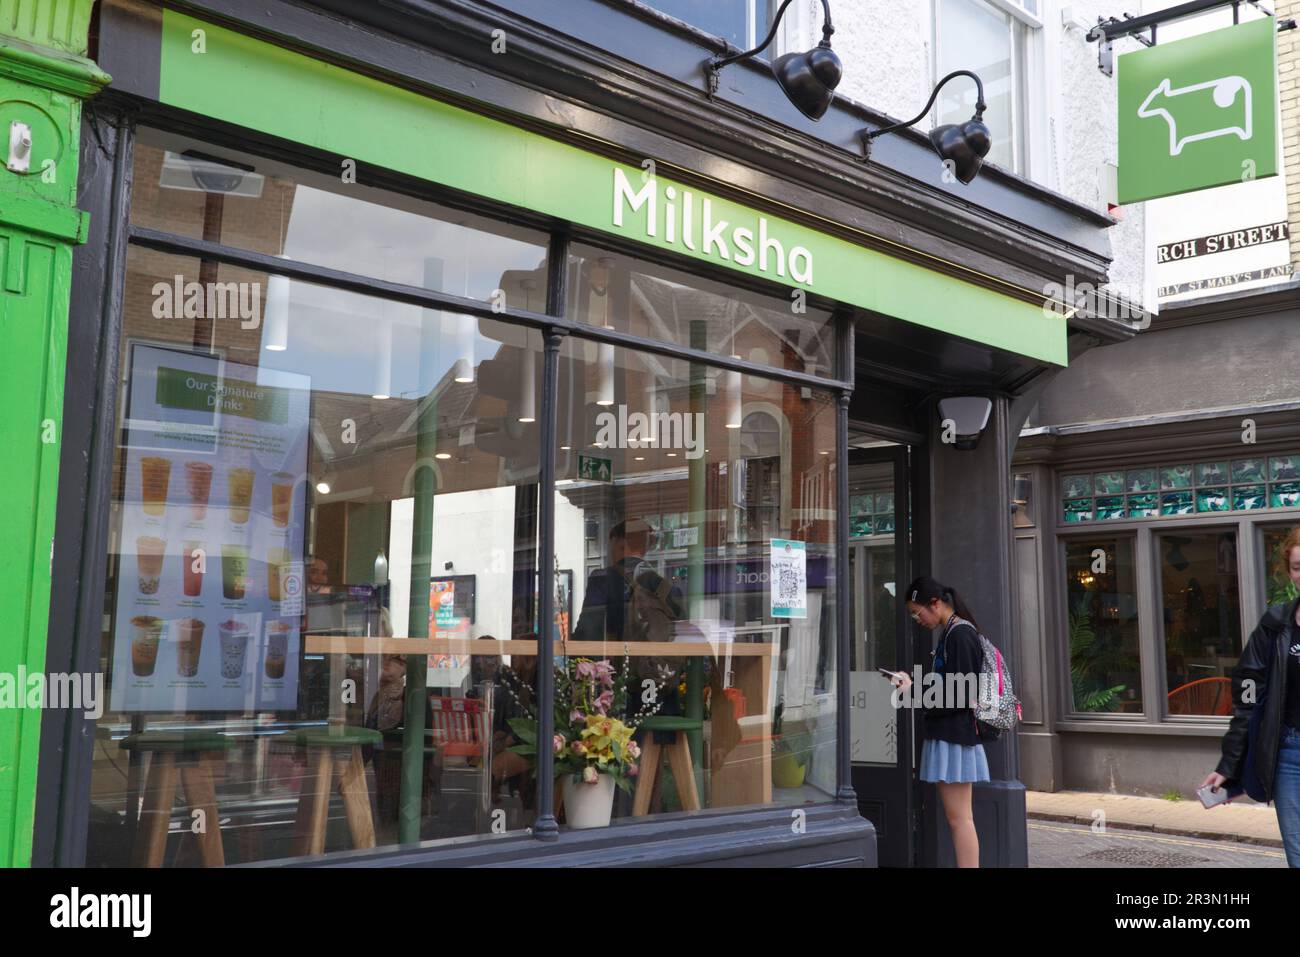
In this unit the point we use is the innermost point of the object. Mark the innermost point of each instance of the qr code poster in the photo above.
(789, 579)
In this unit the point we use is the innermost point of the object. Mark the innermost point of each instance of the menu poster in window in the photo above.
(445, 622)
(213, 506)
(788, 578)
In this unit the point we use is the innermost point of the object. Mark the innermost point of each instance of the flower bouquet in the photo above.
(593, 746)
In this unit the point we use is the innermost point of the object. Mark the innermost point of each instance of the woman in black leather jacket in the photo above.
(1269, 672)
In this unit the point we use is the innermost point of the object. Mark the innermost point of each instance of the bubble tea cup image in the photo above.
(149, 560)
(198, 484)
(281, 498)
(234, 646)
(277, 648)
(234, 571)
(239, 485)
(155, 476)
(275, 557)
(146, 633)
(189, 645)
(194, 562)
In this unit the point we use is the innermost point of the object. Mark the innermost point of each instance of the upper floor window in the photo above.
(990, 38)
(742, 23)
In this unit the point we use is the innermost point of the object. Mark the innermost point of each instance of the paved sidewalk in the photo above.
(1247, 823)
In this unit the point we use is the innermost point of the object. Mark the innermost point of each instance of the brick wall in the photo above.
(1288, 69)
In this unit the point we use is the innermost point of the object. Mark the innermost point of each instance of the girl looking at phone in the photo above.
(952, 755)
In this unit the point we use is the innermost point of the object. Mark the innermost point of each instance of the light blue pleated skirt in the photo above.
(953, 763)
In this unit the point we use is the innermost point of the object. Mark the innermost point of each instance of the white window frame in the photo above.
(1031, 153)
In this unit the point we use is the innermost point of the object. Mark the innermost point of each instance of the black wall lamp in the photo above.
(965, 145)
(808, 79)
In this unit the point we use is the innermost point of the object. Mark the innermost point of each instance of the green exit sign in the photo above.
(592, 469)
(1199, 112)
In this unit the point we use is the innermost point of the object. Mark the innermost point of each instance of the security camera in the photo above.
(193, 170)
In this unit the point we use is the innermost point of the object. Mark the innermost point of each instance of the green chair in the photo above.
(331, 751)
(187, 756)
(679, 759)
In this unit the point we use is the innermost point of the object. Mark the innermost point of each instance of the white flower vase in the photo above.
(588, 805)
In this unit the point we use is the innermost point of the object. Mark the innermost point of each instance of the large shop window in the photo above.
(1201, 618)
(322, 606)
(1101, 596)
(695, 525)
(322, 502)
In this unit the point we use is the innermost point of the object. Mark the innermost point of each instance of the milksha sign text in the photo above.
(675, 215)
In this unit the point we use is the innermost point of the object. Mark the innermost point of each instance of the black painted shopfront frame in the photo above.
(67, 745)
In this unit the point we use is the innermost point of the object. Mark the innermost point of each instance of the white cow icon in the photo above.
(1225, 93)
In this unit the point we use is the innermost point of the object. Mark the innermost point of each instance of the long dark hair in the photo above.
(925, 589)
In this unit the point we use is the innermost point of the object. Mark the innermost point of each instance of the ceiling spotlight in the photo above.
(605, 373)
(807, 79)
(965, 145)
(442, 456)
(323, 487)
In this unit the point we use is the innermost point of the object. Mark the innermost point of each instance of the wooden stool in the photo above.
(679, 759)
(319, 783)
(189, 756)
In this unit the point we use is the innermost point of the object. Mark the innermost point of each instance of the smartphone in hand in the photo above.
(1212, 798)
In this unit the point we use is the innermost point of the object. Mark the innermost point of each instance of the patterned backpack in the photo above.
(999, 708)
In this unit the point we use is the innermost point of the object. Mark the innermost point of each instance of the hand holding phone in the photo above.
(1212, 797)
(899, 679)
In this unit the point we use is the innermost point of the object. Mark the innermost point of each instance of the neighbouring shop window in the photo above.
(1101, 601)
(1278, 586)
(322, 562)
(607, 289)
(977, 36)
(1187, 488)
(710, 497)
(1201, 617)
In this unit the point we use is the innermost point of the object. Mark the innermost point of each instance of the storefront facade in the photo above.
(391, 338)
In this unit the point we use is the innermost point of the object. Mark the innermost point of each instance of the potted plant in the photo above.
(593, 747)
(789, 767)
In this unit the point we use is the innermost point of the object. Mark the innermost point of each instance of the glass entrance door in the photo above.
(879, 568)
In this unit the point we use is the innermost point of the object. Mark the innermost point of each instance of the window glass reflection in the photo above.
(614, 291)
(195, 189)
(682, 491)
(1101, 597)
(1200, 602)
(322, 572)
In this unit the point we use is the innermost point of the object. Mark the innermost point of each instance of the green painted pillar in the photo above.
(697, 506)
(44, 76)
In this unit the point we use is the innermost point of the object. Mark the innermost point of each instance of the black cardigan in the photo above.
(962, 655)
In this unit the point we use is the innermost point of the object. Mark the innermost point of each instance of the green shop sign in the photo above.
(200, 392)
(257, 85)
(1199, 112)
